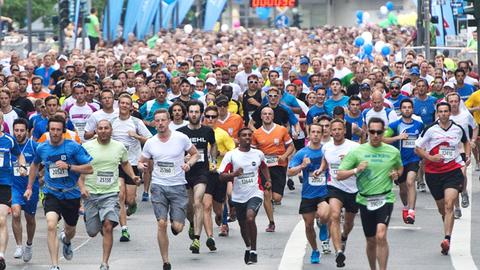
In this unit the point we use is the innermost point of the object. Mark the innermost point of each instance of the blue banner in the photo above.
(213, 12)
(131, 16)
(116, 7)
(183, 8)
(148, 16)
(167, 10)
(75, 22)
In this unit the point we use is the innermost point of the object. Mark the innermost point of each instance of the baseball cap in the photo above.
(364, 86)
(304, 60)
(318, 86)
(449, 84)
(62, 57)
(192, 80)
(414, 71)
(212, 81)
(221, 100)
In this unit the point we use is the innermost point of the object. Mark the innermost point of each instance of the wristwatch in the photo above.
(69, 167)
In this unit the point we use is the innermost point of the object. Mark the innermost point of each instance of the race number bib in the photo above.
(201, 154)
(334, 169)
(166, 169)
(271, 161)
(448, 152)
(247, 179)
(56, 172)
(321, 180)
(16, 170)
(80, 127)
(2, 158)
(409, 142)
(375, 202)
(105, 178)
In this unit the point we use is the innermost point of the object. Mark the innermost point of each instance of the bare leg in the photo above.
(107, 240)
(382, 246)
(52, 221)
(17, 223)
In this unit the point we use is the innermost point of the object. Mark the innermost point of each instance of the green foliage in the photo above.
(17, 10)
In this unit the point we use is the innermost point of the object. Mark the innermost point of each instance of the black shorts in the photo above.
(124, 175)
(67, 208)
(216, 188)
(197, 176)
(310, 205)
(6, 195)
(253, 203)
(439, 182)
(278, 175)
(370, 219)
(348, 199)
(410, 167)
(464, 156)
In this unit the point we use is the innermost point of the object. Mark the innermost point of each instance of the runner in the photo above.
(168, 190)
(341, 194)
(64, 160)
(375, 165)
(440, 145)
(242, 166)
(100, 189)
(8, 148)
(107, 112)
(197, 177)
(28, 149)
(80, 111)
(402, 134)
(277, 146)
(314, 191)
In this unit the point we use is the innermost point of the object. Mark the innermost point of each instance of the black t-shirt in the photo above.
(178, 99)
(353, 89)
(57, 75)
(248, 108)
(200, 138)
(24, 104)
(280, 116)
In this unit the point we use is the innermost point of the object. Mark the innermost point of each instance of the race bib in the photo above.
(56, 172)
(80, 127)
(247, 179)
(1, 159)
(409, 142)
(16, 170)
(334, 169)
(271, 161)
(375, 202)
(448, 152)
(105, 178)
(201, 153)
(166, 169)
(321, 180)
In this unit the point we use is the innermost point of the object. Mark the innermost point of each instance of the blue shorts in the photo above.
(30, 207)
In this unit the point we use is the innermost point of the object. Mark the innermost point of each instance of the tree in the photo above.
(17, 10)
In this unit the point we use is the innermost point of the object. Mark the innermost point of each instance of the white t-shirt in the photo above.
(9, 118)
(249, 184)
(333, 154)
(120, 133)
(237, 91)
(387, 115)
(97, 117)
(465, 120)
(168, 158)
(172, 126)
(241, 78)
(79, 115)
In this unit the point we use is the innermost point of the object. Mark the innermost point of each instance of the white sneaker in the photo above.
(18, 252)
(27, 253)
(326, 247)
(477, 167)
(54, 268)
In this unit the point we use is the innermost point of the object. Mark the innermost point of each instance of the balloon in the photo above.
(383, 10)
(392, 18)
(379, 45)
(359, 41)
(359, 21)
(188, 29)
(359, 14)
(386, 50)
(263, 13)
(236, 24)
(366, 16)
(224, 27)
(367, 36)
(389, 5)
(368, 48)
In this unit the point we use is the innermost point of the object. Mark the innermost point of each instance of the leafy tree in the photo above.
(17, 10)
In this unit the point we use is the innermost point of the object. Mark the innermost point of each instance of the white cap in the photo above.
(449, 84)
(62, 57)
(211, 81)
(192, 80)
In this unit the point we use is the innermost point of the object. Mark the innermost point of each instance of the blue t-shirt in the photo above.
(358, 120)
(292, 119)
(8, 148)
(28, 149)
(148, 109)
(304, 78)
(314, 111)
(287, 100)
(41, 127)
(61, 183)
(45, 74)
(425, 109)
(396, 102)
(406, 147)
(309, 191)
(330, 104)
(466, 91)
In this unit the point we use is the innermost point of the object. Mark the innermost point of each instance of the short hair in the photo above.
(338, 110)
(407, 100)
(243, 129)
(459, 70)
(447, 97)
(376, 120)
(353, 98)
(443, 103)
(177, 103)
(37, 78)
(56, 119)
(161, 111)
(337, 120)
(195, 102)
(336, 80)
(21, 121)
(126, 95)
(6, 91)
(211, 108)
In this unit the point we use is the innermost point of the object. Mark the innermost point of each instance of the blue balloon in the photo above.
(263, 13)
(359, 15)
(385, 50)
(368, 49)
(389, 5)
(359, 22)
(168, 1)
(359, 41)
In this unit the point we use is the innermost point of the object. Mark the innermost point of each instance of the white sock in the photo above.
(248, 248)
(2, 255)
(124, 228)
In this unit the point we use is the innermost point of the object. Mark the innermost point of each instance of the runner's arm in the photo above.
(127, 167)
(194, 156)
(31, 179)
(265, 172)
(83, 168)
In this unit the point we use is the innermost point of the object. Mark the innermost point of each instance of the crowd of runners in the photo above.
(217, 125)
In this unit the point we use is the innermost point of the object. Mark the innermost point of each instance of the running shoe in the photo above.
(457, 213)
(104, 266)
(344, 244)
(195, 246)
(18, 252)
(465, 200)
(252, 258)
(326, 247)
(421, 187)
(191, 232)
(246, 256)
(404, 215)
(223, 230)
(315, 257)
(290, 184)
(477, 167)
(323, 235)
(51, 267)
(67, 247)
(445, 246)
(340, 259)
(167, 266)
(125, 236)
(211, 244)
(3, 265)
(132, 209)
(145, 197)
(27, 253)
(270, 227)
(410, 216)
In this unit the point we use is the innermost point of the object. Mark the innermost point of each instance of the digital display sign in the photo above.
(273, 3)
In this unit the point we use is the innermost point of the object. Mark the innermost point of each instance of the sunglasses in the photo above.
(395, 87)
(272, 96)
(210, 116)
(373, 132)
(223, 105)
(252, 82)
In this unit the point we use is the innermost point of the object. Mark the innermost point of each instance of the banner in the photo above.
(167, 10)
(75, 22)
(116, 7)
(131, 17)
(147, 19)
(213, 13)
(183, 8)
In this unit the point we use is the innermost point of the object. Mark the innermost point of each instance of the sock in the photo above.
(2, 255)
(196, 237)
(124, 228)
(272, 222)
(247, 248)
(253, 251)
(447, 237)
(411, 210)
(405, 207)
(225, 214)
(344, 238)
(29, 244)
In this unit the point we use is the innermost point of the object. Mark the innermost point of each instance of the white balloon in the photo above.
(367, 36)
(188, 29)
(366, 17)
(383, 10)
(379, 45)
(224, 27)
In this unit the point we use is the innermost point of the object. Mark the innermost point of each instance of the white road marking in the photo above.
(406, 228)
(460, 253)
(295, 249)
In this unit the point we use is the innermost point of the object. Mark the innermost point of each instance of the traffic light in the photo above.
(297, 20)
(63, 12)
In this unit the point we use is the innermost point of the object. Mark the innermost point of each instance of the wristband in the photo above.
(69, 167)
(23, 166)
(29, 186)
(355, 171)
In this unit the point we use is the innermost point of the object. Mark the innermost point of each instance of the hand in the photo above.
(187, 158)
(317, 173)
(403, 136)
(473, 144)
(84, 193)
(362, 166)
(142, 165)
(238, 172)
(186, 167)
(468, 161)
(436, 158)
(282, 159)
(28, 194)
(306, 161)
(295, 135)
(61, 164)
(394, 175)
(251, 101)
(22, 171)
(133, 134)
(268, 185)
(136, 179)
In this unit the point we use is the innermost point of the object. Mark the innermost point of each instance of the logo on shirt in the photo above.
(63, 157)
(254, 163)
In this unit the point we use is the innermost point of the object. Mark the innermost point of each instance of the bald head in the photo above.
(377, 100)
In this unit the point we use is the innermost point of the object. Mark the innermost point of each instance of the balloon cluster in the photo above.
(364, 41)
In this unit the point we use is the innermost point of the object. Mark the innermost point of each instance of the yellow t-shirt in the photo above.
(224, 143)
(474, 101)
